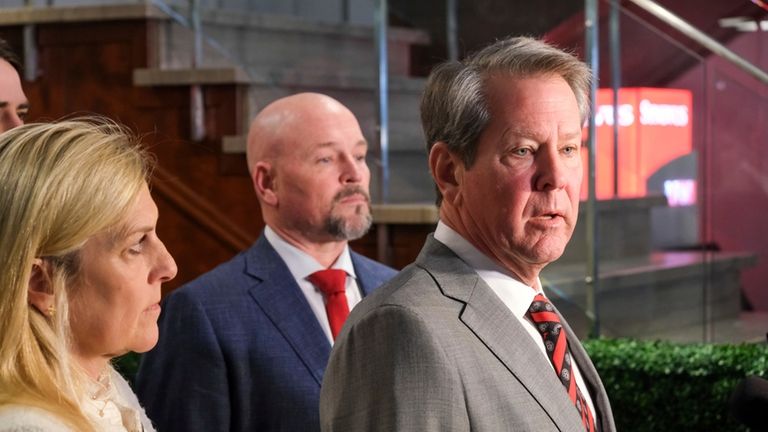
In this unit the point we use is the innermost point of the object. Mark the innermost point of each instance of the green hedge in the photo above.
(661, 386)
(654, 386)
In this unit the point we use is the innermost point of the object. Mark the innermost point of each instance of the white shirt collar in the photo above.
(516, 295)
(301, 264)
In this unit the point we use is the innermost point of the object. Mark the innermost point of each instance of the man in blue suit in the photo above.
(244, 347)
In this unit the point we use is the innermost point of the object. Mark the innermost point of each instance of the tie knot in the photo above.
(329, 281)
(542, 311)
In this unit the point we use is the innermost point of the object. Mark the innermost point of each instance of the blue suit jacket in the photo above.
(241, 350)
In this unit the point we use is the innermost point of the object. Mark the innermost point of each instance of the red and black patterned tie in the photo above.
(547, 322)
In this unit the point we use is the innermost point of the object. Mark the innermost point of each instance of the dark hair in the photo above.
(7, 54)
(454, 107)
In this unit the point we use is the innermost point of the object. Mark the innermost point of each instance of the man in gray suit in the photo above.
(464, 339)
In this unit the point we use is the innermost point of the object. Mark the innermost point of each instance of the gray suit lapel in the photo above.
(490, 320)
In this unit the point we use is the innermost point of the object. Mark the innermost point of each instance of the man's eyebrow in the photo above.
(332, 143)
(515, 132)
(325, 144)
(3, 104)
(21, 106)
(525, 133)
(571, 135)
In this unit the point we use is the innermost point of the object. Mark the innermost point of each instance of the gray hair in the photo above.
(454, 107)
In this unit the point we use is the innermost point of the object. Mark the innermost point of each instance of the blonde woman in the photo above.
(80, 273)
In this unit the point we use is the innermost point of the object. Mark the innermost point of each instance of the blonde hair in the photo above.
(60, 184)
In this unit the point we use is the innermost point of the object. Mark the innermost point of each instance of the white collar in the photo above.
(516, 295)
(301, 264)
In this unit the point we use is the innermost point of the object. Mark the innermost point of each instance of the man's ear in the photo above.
(40, 288)
(263, 180)
(447, 170)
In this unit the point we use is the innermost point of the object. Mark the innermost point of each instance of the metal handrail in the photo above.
(381, 15)
(592, 278)
(452, 29)
(697, 35)
(380, 19)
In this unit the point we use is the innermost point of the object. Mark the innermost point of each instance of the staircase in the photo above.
(132, 62)
(282, 55)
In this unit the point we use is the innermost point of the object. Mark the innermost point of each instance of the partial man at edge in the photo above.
(14, 105)
(463, 339)
(244, 347)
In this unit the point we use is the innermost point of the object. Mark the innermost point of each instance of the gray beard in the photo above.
(348, 229)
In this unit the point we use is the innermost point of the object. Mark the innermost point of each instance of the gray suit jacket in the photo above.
(436, 350)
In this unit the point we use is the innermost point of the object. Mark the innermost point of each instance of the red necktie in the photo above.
(547, 322)
(332, 283)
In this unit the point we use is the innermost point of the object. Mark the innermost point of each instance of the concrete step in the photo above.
(746, 327)
(357, 93)
(338, 11)
(332, 11)
(661, 293)
(10, 16)
(624, 227)
(263, 44)
(409, 175)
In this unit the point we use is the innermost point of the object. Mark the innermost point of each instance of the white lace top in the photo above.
(20, 418)
(111, 406)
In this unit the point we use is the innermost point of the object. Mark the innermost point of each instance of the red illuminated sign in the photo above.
(654, 128)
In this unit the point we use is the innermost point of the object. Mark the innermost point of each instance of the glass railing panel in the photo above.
(676, 262)
(736, 195)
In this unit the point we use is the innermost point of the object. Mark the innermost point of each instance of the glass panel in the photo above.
(737, 190)
(679, 255)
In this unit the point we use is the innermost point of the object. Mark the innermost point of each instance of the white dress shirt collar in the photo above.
(302, 264)
(516, 295)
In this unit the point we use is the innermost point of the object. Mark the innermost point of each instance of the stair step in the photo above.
(356, 93)
(258, 42)
(86, 13)
(746, 327)
(359, 11)
(409, 175)
(663, 291)
(328, 11)
(202, 76)
(624, 226)
(269, 77)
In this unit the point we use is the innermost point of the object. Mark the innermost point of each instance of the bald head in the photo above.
(306, 155)
(292, 119)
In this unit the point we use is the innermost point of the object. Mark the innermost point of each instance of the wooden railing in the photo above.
(201, 210)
